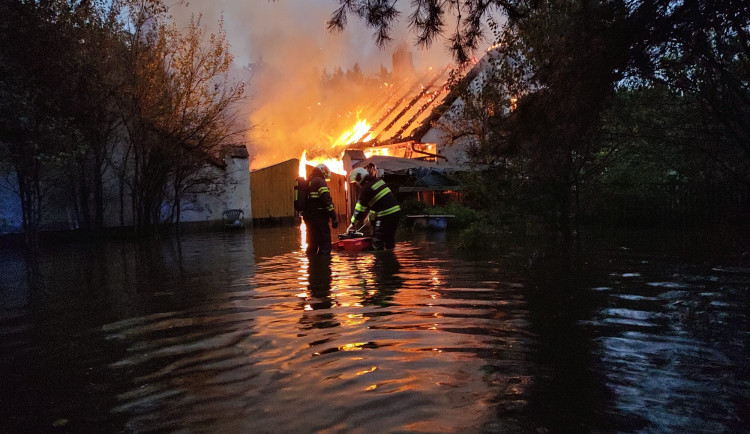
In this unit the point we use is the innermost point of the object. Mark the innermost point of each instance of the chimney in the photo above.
(403, 64)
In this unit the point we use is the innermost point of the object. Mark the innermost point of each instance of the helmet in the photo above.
(324, 170)
(357, 175)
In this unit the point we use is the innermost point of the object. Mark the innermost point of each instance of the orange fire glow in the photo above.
(360, 132)
(335, 165)
(376, 151)
(303, 237)
(302, 163)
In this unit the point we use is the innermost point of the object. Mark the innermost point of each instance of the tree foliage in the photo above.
(180, 109)
(37, 56)
(559, 65)
(92, 88)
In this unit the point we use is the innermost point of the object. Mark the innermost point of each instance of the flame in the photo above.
(360, 132)
(335, 165)
(302, 163)
(376, 151)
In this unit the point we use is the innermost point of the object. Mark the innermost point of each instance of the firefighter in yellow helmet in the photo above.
(382, 204)
(318, 209)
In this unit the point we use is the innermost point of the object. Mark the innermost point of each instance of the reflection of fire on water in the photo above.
(303, 235)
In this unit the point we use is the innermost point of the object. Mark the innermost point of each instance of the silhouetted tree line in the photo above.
(99, 97)
(353, 75)
(599, 109)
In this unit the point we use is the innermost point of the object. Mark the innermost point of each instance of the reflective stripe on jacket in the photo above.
(319, 197)
(377, 197)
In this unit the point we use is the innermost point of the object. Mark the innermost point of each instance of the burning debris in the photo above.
(380, 116)
(382, 119)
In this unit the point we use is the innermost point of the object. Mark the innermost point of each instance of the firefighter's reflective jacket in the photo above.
(319, 200)
(376, 197)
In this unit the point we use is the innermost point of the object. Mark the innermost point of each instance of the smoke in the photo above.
(282, 48)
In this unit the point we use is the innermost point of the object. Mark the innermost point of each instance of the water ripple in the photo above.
(380, 337)
(241, 332)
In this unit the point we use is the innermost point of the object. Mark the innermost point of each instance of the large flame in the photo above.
(335, 165)
(360, 132)
(302, 163)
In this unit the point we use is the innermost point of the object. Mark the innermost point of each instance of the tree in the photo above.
(355, 74)
(92, 88)
(37, 51)
(559, 91)
(97, 80)
(704, 59)
(563, 61)
(180, 108)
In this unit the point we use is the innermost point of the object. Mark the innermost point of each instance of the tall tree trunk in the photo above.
(177, 210)
(84, 194)
(30, 205)
(99, 191)
(563, 222)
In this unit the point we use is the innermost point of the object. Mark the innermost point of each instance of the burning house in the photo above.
(389, 130)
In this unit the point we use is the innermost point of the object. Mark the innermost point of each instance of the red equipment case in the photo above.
(353, 245)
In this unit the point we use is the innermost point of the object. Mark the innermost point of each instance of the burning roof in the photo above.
(381, 111)
(404, 106)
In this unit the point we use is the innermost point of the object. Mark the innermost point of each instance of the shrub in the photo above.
(464, 216)
(478, 236)
(412, 206)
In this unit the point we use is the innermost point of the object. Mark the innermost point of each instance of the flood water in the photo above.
(240, 332)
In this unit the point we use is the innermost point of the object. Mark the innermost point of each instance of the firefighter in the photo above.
(318, 209)
(382, 203)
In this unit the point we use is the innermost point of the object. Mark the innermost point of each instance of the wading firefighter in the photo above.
(318, 209)
(382, 204)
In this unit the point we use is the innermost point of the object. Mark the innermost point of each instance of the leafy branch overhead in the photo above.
(545, 107)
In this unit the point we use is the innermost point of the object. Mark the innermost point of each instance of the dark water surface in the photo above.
(240, 332)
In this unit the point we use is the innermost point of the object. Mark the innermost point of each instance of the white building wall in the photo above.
(10, 205)
(456, 152)
(231, 191)
(209, 202)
